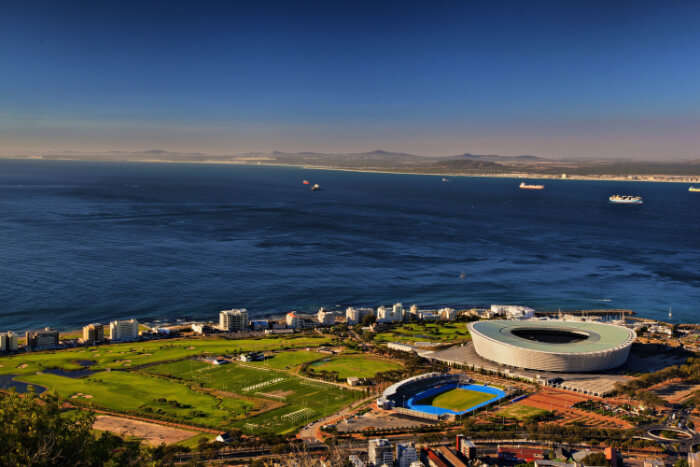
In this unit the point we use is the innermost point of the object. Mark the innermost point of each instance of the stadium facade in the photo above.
(552, 345)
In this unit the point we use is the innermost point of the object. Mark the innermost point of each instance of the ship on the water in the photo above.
(626, 199)
(525, 186)
(694, 188)
(316, 187)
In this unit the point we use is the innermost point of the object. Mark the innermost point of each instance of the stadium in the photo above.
(438, 395)
(560, 346)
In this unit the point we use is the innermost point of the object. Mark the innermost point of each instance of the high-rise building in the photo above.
(235, 320)
(447, 314)
(124, 330)
(406, 454)
(393, 315)
(8, 341)
(293, 321)
(466, 447)
(93, 333)
(380, 452)
(356, 315)
(42, 339)
(325, 318)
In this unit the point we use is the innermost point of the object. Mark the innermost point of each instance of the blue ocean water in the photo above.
(84, 242)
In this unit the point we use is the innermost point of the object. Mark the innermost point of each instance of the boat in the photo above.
(626, 199)
(445, 180)
(305, 182)
(525, 186)
(315, 187)
(694, 188)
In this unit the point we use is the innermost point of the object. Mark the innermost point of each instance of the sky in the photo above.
(556, 79)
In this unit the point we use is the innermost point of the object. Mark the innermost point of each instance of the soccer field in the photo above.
(457, 399)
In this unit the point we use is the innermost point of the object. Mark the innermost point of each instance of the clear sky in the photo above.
(555, 79)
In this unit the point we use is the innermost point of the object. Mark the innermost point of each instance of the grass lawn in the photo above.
(456, 399)
(145, 395)
(128, 355)
(299, 401)
(427, 332)
(519, 412)
(361, 366)
(289, 360)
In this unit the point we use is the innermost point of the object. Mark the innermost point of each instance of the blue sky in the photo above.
(557, 79)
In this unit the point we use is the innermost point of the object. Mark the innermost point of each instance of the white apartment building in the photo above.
(447, 314)
(406, 454)
(393, 315)
(124, 330)
(8, 341)
(380, 452)
(356, 315)
(234, 320)
(325, 318)
(513, 311)
(292, 319)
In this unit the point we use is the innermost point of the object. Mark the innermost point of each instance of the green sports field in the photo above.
(358, 365)
(520, 412)
(456, 399)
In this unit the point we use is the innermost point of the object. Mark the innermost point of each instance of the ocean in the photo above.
(87, 241)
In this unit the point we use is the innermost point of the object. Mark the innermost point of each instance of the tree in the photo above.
(35, 432)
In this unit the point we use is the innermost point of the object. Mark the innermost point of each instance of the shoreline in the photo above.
(651, 178)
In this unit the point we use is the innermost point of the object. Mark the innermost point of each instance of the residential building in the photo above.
(406, 454)
(694, 459)
(466, 447)
(8, 341)
(235, 320)
(380, 452)
(325, 318)
(393, 315)
(447, 314)
(513, 311)
(356, 315)
(42, 339)
(93, 334)
(124, 330)
(293, 320)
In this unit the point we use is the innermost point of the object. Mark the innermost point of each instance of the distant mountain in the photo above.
(382, 160)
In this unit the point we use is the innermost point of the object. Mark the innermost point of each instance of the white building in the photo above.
(325, 318)
(447, 314)
(380, 452)
(234, 320)
(413, 310)
(8, 341)
(513, 311)
(124, 330)
(293, 321)
(356, 315)
(393, 315)
(406, 454)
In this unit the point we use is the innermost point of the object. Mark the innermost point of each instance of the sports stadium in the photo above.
(438, 395)
(552, 345)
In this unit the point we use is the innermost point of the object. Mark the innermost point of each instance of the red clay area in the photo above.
(562, 402)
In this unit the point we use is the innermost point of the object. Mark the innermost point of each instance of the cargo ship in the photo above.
(694, 188)
(525, 186)
(626, 199)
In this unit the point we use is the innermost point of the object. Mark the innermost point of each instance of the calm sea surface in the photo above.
(83, 242)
